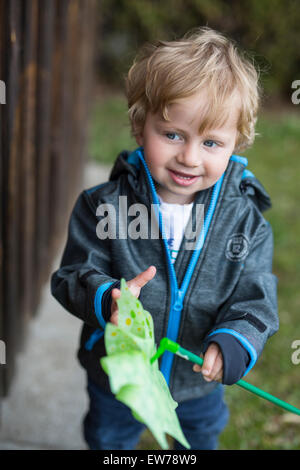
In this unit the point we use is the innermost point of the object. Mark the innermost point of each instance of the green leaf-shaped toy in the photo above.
(133, 379)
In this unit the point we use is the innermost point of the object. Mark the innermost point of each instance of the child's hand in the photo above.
(212, 368)
(135, 286)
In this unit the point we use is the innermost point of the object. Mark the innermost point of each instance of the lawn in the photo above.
(275, 160)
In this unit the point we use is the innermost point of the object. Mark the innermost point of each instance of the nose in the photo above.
(189, 156)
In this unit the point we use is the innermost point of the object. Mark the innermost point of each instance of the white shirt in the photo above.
(175, 217)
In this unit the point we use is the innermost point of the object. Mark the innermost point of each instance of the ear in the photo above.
(139, 140)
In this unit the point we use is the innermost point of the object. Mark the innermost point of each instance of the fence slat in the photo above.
(58, 173)
(2, 45)
(43, 123)
(11, 219)
(27, 177)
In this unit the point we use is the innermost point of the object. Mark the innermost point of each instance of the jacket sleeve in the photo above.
(84, 273)
(250, 315)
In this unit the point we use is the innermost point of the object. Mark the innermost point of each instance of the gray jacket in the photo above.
(224, 285)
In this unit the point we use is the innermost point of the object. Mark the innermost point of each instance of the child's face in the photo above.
(181, 161)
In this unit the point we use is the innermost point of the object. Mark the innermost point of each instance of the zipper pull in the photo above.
(178, 302)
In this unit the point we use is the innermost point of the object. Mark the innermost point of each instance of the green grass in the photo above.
(275, 160)
(256, 424)
(109, 129)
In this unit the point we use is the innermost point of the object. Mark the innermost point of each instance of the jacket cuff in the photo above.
(100, 292)
(106, 300)
(235, 357)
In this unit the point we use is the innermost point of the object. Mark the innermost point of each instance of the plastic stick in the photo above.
(169, 345)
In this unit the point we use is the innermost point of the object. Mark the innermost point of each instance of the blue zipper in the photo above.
(175, 312)
(177, 295)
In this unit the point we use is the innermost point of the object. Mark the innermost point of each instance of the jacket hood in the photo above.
(125, 165)
(242, 181)
(252, 187)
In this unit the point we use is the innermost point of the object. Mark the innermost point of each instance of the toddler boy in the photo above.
(192, 105)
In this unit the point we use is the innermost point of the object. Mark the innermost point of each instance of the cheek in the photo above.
(217, 168)
(154, 161)
(154, 154)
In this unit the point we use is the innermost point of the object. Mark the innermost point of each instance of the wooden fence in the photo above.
(46, 63)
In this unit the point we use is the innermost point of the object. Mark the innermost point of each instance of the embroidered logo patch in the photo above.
(237, 247)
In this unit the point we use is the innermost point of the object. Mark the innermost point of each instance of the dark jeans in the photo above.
(109, 424)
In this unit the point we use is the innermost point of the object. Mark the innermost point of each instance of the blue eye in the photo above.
(210, 143)
(172, 136)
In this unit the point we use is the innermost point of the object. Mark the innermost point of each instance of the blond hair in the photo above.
(203, 59)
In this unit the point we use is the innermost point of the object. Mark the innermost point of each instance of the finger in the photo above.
(217, 370)
(197, 368)
(114, 307)
(115, 294)
(114, 318)
(209, 359)
(141, 279)
(219, 376)
(215, 375)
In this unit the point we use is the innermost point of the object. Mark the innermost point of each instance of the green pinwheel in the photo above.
(134, 379)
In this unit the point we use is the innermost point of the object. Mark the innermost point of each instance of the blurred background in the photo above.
(64, 122)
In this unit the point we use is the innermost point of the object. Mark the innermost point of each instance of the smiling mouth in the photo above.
(183, 179)
(183, 175)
